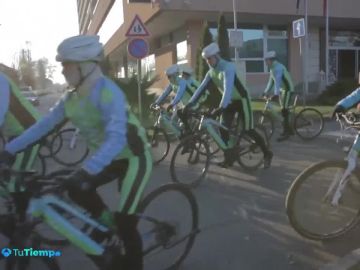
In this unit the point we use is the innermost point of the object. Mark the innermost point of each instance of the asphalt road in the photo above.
(242, 216)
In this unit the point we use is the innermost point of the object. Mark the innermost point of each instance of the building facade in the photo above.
(176, 26)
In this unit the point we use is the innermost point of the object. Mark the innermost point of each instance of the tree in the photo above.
(223, 38)
(202, 67)
(26, 68)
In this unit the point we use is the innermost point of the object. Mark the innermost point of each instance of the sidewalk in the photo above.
(350, 261)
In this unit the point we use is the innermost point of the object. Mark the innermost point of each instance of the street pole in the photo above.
(306, 49)
(235, 28)
(139, 87)
(327, 45)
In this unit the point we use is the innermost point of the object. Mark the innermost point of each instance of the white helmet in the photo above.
(187, 69)
(210, 50)
(80, 48)
(270, 54)
(172, 70)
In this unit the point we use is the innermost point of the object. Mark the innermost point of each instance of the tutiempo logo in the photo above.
(30, 252)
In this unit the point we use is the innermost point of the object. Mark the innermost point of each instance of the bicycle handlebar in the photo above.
(35, 182)
(352, 119)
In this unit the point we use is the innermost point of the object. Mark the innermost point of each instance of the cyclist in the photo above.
(280, 80)
(235, 98)
(16, 115)
(342, 106)
(97, 106)
(187, 74)
(180, 86)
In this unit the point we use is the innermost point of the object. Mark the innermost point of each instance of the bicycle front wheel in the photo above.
(160, 143)
(309, 204)
(168, 224)
(250, 156)
(12, 239)
(190, 161)
(308, 123)
(68, 149)
(265, 120)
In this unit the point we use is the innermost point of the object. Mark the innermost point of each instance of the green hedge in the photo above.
(337, 91)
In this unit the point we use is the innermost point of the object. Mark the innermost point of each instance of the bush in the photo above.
(130, 88)
(337, 91)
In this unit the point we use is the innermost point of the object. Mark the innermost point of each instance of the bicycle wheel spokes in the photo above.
(168, 225)
(309, 123)
(310, 205)
(190, 161)
(250, 156)
(159, 142)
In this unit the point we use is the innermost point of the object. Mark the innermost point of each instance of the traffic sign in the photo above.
(138, 48)
(137, 28)
(236, 38)
(299, 28)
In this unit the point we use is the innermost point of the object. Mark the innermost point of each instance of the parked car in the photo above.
(30, 96)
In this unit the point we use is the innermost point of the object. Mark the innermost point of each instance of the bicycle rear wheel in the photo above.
(160, 143)
(168, 224)
(68, 150)
(190, 161)
(308, 123)
(308, 208)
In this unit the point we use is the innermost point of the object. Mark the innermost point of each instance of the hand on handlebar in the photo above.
(338, 110)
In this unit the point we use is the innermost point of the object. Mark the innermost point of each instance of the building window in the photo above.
(256, 41)
(148, 66)
(280, 46)
(113, 21)
(344, 39)
(181, 52)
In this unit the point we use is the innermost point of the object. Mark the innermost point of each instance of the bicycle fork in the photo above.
(340, 184)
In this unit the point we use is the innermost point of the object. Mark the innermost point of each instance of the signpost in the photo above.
(299, 31)
(138, 48)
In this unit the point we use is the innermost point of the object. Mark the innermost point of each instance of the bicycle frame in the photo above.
(168, 123)
(41, 207)
(338, 184)
(269, 107)
(210, 125)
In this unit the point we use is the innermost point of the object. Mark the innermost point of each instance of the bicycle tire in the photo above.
(154, 134)
(196, 148)
(249, 150)
(298, 222)
(186, 193)
(265, 120)
(300, 120)
(57, 140)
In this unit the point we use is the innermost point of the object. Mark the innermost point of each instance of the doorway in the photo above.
(347, 64)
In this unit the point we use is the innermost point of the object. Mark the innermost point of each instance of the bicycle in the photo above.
(194, 150)
(67, 148)
(159, 137)
(323, 201)
(308, 123)
(48, 205)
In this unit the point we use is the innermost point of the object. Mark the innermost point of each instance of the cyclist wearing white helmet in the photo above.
(281, 81)
(235, 98)
(98, 107)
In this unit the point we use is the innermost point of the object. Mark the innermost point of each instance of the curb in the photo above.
(350, 261)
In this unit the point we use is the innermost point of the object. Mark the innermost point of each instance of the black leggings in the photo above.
(126, 223)
(228, 116)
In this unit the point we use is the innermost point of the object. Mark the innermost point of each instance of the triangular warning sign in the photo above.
(137, 28)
